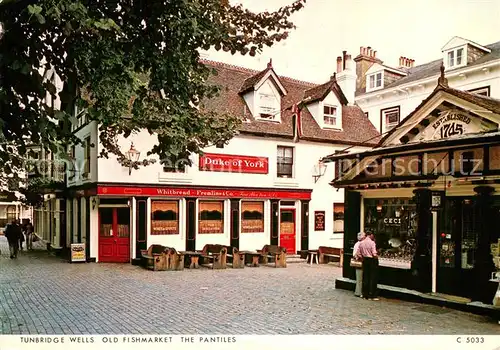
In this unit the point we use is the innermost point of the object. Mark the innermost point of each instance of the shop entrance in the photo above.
(287, 230)
(114, 234)
(456, 247)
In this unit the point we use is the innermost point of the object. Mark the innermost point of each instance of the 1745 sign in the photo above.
(453, 123)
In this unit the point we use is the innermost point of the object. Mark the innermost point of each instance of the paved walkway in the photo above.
(41, 294)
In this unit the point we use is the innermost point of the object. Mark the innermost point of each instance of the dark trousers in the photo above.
(14, 248)
(370, 279)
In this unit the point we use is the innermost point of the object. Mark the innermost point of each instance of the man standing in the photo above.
(29, 235)
(368, 250)
(13, 233)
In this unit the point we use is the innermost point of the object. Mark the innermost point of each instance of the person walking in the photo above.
(28, 231)
(20, 233)
(359, 271)
(12, 233)
(368, 250)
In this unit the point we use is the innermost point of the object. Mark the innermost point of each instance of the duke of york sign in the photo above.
(234, 163)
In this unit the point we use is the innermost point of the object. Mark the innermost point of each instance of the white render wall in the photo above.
(306, 156)
(409, 96)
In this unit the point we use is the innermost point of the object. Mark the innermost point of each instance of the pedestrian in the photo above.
(20, 233)
(28, 231)
(368, 250)
(359, 271)
(12, 233)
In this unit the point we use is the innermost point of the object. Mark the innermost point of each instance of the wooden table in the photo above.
(193, 258)
(255, 257)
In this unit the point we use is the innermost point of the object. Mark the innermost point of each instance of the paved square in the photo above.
(42, 294)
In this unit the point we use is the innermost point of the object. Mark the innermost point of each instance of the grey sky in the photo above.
(415, 29)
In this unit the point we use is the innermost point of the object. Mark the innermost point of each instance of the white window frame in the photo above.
(265, 109)
(388, 126)
(330, 116)
(452, 55)
(373, 83)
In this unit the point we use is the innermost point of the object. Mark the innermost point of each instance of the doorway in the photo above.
(114, 234)
(456, 247)
(287, 230)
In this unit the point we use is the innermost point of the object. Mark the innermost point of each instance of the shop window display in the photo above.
(394, 223)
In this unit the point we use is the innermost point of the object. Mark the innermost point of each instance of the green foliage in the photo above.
(102, 50)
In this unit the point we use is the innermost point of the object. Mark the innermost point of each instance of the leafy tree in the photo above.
(116, 58)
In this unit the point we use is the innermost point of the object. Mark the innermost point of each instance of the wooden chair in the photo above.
(175, 260)
(235, 258)
(327, 254)
(276, 253)
(155, 258)
(214, 256)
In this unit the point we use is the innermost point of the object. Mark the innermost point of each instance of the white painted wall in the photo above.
(409, 96)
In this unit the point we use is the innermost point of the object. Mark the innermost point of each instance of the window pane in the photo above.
(289, 152)
(372, 81)
(123, 222)
(105, 221)
(165, 217)
(459, 56)
(379, 79)
(252, 217)
(211, 217)
(451, 61)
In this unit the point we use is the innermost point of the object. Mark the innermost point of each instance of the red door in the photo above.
(114, 234)
(287, 230)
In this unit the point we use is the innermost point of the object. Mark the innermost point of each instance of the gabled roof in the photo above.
(356, 127)
(254, 81)
(431, 69)
(376, 67)
(457, 41)
(490, 104)
(319, 93)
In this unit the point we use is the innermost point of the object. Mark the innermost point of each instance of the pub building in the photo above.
(264, 186)
(430, 192)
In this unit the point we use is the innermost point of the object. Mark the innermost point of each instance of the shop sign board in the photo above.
(392, 221)
(200, 192)
(319, 220)
(234, 163)
(78, 252)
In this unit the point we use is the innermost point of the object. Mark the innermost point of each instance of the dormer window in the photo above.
(330, 115)
(268, 107)
(456, 58)
(375, 80)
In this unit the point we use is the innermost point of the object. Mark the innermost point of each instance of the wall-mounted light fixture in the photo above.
(318, 171)
(133, 156)
(94, 203)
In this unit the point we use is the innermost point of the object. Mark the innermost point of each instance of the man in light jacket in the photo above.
(359, 271)
(368, 251)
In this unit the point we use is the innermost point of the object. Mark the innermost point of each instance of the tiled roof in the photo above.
(249, 83)
(431, 69)
(319, 92)
(357, 129)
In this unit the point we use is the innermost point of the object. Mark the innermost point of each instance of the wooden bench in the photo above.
(276, 253)
(251, 258)
(327, 254)
(214, 256)
(155, 258)
(191, 259)
(175, 260)
(234, 257)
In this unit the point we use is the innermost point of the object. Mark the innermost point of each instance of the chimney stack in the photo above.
(405, 62)
(346, 78)
(339, 64)
(367, 57)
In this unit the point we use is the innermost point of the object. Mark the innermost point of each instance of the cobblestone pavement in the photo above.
(42, 294)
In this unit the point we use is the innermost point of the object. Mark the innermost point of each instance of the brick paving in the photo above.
(42, 294)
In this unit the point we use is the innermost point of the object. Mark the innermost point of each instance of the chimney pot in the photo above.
(339, 64)
(374, 54)
(361, 50)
